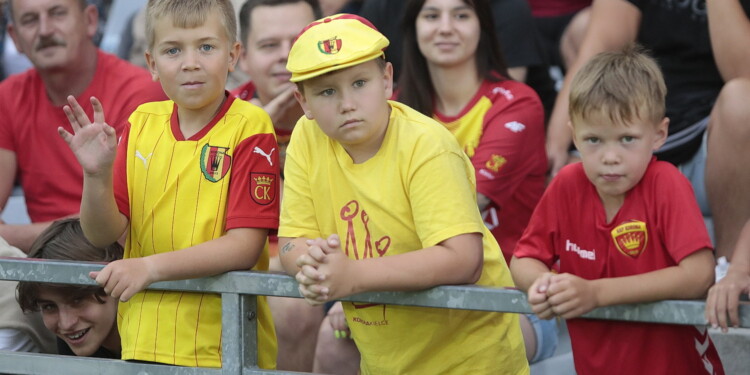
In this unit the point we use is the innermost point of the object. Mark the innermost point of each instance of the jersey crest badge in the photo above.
(495, 163)
(263, 188)
(215, 162)
(630, 238)
(330, 46)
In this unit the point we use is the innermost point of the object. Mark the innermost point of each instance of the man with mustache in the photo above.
(56, 35)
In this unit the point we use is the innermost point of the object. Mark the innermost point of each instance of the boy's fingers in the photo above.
(72, 119)
(98, 110)
(733, 305)
(93, 274)
(312, 273)
(67, 137)
(710, 312)
(334, 241)
(317, 254)
(102, 276)
(721, 309)
(78, 111)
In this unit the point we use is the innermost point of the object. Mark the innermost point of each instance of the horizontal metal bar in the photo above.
(452, 297)
(44, 364)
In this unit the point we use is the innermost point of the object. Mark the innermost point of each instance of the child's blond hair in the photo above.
(188, 14)
(621, 86)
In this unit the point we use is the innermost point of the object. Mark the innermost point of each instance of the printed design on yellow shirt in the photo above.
(263, 188)
(495, 163)
(330, 46)
(382, 322)
(215, 162)
(349, 213)
(630, 238)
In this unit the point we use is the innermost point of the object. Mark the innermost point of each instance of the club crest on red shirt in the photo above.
(630, 238)
(263, 188)
(215, 162)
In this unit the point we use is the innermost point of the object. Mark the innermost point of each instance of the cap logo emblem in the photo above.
(330, 46)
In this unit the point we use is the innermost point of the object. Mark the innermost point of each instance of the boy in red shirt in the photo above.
(623, 226)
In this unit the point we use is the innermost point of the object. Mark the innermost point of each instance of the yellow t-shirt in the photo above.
(417, 191)
(181, 192)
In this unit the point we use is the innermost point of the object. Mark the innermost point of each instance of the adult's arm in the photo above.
(614, 24)
(722, 304)
(20, 236)
(729, 28)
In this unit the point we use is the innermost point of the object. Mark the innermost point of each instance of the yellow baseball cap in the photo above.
(334, 43)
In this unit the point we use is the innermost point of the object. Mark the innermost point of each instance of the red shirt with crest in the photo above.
(658, 225)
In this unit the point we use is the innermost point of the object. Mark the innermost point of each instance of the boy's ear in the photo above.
(234, 55)
(662, 130)
(303, 103)
(151, 66)
(388, 80)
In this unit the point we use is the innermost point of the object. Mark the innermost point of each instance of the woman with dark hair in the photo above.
(84, 318)
(453, 71)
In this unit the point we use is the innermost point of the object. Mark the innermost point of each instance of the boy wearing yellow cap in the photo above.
(394, 195)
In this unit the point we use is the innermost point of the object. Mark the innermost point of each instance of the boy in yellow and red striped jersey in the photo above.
(195, 186)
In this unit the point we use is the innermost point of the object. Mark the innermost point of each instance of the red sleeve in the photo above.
(254, 187)
(681, 222)
(512, 145)
(120, 174)
(539, 239)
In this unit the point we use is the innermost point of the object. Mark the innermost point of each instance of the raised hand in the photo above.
(93, 143)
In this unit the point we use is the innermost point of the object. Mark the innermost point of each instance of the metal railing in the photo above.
(238, 291)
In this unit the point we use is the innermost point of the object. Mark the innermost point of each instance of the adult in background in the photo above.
(56, 35)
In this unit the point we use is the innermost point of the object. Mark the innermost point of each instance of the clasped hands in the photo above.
(323, 271)
(564, 295)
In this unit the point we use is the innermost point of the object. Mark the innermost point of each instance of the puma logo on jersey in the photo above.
(258, 150)
(143, 159)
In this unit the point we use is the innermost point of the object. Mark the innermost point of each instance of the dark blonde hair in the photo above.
(622, 86)
(64, 240)
(189, 14)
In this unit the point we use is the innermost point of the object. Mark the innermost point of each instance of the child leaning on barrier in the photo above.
(83, 317)
(396, 188)
(194, 191)
(623, 226)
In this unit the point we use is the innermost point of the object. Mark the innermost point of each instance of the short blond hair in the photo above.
(622, 86)
(189, 14)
